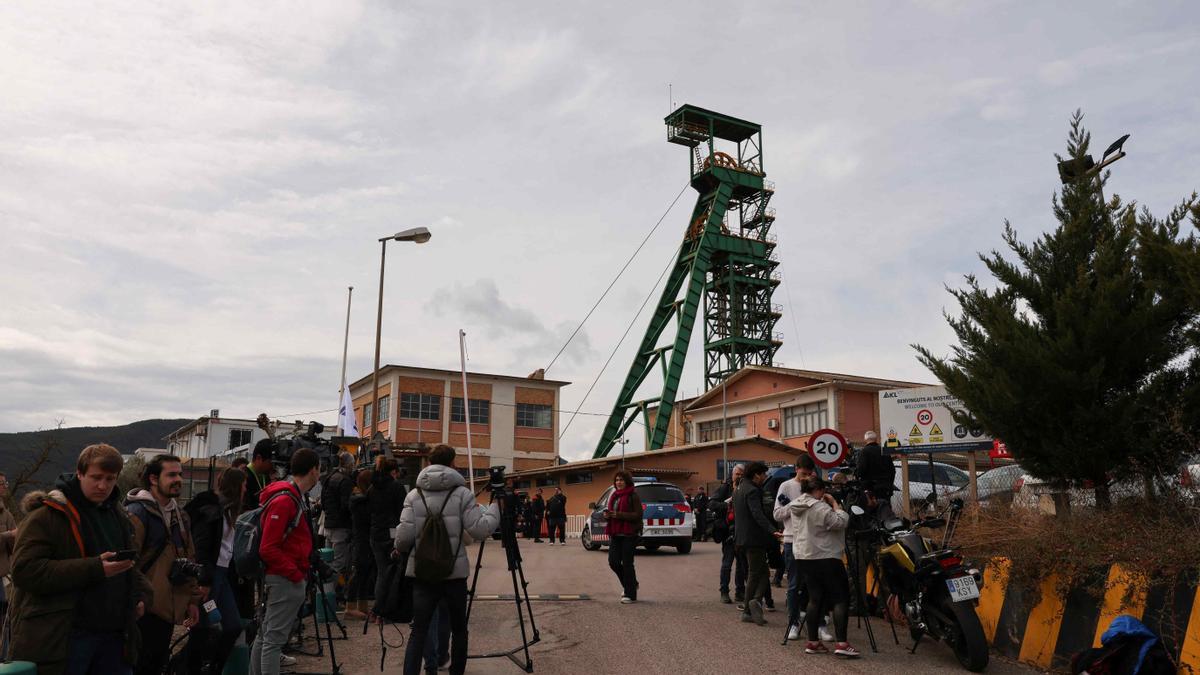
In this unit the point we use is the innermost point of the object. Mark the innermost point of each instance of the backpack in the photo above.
(433, 559)
(247, 537)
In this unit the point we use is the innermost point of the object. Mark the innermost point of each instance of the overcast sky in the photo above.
(187, 189)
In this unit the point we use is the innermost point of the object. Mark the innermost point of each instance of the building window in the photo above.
(520, 485)
(384, 407)
(687, 433)
(711, 431)
(366, 414)
(240, 437)
(802, 420)
(420, 406)
(480, 411)
(577, 478)
(549, 481)
(535, 416)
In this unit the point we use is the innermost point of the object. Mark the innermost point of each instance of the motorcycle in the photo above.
(931, 583)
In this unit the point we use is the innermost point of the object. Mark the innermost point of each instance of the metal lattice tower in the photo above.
(727, 258)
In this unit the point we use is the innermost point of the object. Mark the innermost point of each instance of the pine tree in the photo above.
(1082, 335)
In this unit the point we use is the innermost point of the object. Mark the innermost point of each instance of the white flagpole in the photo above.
(462, 354)
(345, 347)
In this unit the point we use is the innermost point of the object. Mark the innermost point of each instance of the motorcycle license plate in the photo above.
(962, 588)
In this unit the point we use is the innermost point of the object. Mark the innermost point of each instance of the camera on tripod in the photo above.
(496, 483)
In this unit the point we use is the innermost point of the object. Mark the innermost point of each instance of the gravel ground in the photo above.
(678, 625)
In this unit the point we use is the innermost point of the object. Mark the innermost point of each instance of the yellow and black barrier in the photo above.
(1044, 627)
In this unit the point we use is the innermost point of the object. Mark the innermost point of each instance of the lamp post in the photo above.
(418, 235)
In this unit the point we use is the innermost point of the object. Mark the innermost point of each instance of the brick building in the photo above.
(781, 404)
(514, 420)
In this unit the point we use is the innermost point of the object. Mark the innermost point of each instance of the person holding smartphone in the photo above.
(819, 541)
(77, 593)
(623, 514)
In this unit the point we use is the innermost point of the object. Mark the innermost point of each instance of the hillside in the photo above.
(17, 450)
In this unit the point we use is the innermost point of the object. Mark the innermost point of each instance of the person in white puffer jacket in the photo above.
(441, 485)
(819, 541)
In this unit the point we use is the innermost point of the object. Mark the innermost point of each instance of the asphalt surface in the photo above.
(678, 624)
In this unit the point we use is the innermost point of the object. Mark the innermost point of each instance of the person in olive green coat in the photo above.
(74, 607)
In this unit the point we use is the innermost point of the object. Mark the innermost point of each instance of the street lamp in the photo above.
(1070, 169)
(418, 235)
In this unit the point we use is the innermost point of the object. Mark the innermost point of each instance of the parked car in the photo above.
(667, 520)
(921, 481)
(1000, 484)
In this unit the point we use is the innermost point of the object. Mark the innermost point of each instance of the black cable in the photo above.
(637, 314)
(614, 281)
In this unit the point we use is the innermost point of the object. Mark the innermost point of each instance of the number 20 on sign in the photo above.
(827, 447)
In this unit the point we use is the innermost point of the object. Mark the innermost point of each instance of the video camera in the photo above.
(326, 451)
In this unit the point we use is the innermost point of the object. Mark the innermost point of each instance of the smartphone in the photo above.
(127, 554)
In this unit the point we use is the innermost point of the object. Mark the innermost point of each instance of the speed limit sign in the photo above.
(828, 448)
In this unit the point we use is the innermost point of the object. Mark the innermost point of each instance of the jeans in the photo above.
(96, 653)
(558, 525)
(535, 528)
(620, 561)
(221, 593)
(284, 599)
(828, 586)
(758, 577)
(427, 596)
(339, 541)
(156, 644)
(437, 645)
(797, 595)
(383, 553)
(728, 557)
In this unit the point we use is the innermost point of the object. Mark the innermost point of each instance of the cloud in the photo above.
(479, 302)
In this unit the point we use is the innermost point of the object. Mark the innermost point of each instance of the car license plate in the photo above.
(962, 588)
(655, 532)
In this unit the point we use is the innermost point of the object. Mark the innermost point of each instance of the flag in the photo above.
(347, 421)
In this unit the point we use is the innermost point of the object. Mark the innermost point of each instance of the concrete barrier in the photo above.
(1044, 627)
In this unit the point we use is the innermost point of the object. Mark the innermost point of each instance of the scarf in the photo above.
(619, 502)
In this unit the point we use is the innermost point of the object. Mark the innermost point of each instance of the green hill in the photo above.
(19, 450)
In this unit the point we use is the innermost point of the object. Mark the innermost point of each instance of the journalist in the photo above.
(720, 508)
(335, 502)
(259, 472)
(163, 539)
(556, 516)
(819, 542)
(286, 552)
(755, 534)
(441, 489)
(213, 515)
(75, 605)
(386, 498)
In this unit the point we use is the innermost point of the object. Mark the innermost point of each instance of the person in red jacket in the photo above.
(286, 550)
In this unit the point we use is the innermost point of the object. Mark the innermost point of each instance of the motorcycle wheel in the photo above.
(970, 645)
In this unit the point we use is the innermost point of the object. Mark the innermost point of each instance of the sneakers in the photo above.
(769, 605)
(844, 650)
(286, 661)
(755, 609)
(815, 648)
(739, 596)
(794, 632)
(725, 599)
(626, 600)
(741, 606)
(824, 634)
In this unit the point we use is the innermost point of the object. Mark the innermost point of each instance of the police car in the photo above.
(667, 519)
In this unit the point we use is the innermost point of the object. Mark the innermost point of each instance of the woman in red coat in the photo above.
(624, 515)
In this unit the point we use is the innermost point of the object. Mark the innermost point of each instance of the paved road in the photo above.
(677, 626)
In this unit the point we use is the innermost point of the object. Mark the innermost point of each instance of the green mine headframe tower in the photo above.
(727, 258)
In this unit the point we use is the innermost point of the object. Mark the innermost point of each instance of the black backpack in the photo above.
(433, 558)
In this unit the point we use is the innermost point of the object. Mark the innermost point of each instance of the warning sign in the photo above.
(892, 441)
(935, 434)
(935, 417)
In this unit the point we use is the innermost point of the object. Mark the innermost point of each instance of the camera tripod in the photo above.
(508, 539)
(315, 592)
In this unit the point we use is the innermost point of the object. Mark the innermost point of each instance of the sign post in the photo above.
(828, 448)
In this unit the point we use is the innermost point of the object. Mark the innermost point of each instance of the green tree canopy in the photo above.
(1081, 356)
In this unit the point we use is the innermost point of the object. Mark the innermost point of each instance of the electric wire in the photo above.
(653, 289)
(792, 314)
(616, 278)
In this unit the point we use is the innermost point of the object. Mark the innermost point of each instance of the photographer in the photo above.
(259, 472)
(286, 553)
(163, 539)
(335, 500)
(819, 541)
(75, 601)
(441, 489)
(754, 535)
